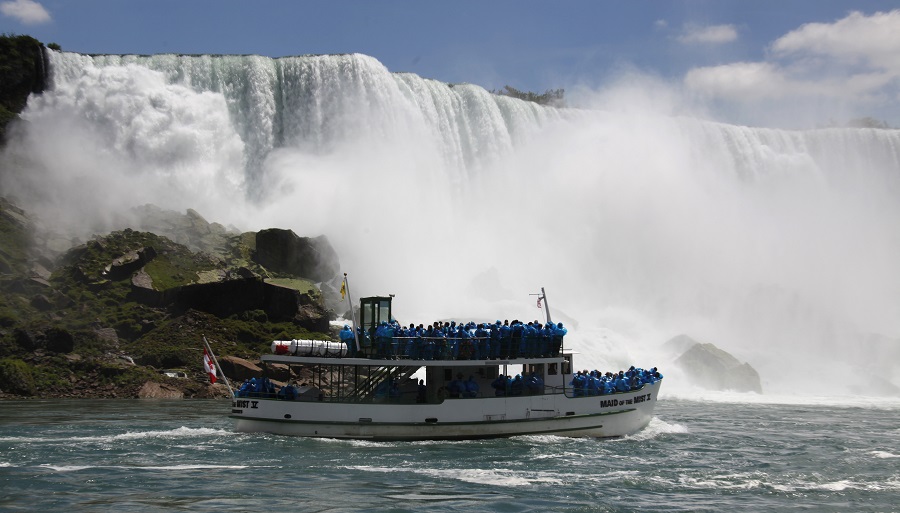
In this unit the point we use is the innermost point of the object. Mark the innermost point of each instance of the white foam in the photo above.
(505, 478)
(657, 428)
(75, 468)
(726, 397)
(182, 432)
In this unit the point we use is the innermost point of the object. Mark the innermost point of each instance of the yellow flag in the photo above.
(343, 289)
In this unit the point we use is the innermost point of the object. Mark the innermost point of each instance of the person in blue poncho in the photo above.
(383, 335)
(517, 386)
(556, 338)
(495, 340)
(348, 339)
(482, 343)
(456, 388)
(534, 384)
(500, 385)
(505, 339)
(472, 387)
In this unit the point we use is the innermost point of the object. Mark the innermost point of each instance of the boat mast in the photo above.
(542, 298)
(546, 305)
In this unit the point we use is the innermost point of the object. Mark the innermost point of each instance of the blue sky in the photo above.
(838, 58)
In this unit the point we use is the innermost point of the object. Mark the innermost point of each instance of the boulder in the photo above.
(708, 366)
(54, 339)
(129, 263)
(278, 372)
(154, 390)
(60, 341)
(239, 369)
(283, 251)
(41, 302)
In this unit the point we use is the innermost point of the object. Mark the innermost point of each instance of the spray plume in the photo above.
(779, 246)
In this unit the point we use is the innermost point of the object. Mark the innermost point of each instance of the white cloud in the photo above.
(28, 12)
(737, 80)
(852, 64)
(713, 34)
(856, 39)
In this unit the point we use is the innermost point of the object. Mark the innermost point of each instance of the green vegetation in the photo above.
(22, 72)
(297, 284)
(98, 327)
(867, 122)
(551, 97)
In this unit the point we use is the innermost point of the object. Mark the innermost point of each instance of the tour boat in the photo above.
(397, 393)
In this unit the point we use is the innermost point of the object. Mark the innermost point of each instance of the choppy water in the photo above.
(122, 456)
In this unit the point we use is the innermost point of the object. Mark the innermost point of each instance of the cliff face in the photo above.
(23, 71)
(124, 314)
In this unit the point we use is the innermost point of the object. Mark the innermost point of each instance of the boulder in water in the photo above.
(710, 367)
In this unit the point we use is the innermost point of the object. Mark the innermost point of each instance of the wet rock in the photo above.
(278, 372)
(708, 366)
(153, 390)
(42, 302)
(239, 369)
(283, 251)
(129, 263)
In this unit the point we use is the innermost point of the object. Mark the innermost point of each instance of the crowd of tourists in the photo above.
(586, 383)
(518, 385)
(452, 341)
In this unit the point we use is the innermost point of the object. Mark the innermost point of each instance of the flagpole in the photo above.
(215, 361)
(346, 286)
(542, 297)
(546, 305)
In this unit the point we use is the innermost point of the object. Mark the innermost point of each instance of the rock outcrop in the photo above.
(239, 369)
(283, 251)
(154, 390)
(708, 366)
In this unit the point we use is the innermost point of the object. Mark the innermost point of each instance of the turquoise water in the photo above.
(128, 455)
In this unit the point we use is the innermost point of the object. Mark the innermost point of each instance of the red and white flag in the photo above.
(209, 367)
(539, 301)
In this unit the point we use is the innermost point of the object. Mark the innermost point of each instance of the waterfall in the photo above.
(780, 246)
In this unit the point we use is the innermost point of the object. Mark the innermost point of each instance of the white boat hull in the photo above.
(453, 419)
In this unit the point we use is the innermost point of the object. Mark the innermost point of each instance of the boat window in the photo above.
(551, 369)
(567, 364)
(384, 311)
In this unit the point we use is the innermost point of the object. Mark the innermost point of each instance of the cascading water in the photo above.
(779, 246)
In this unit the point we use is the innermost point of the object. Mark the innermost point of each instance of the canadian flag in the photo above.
(209, 367)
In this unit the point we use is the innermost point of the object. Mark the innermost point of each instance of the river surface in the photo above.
(140, 456)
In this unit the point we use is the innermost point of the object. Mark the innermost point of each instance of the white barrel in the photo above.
(282, 347)
(325, 348)
(304, 348)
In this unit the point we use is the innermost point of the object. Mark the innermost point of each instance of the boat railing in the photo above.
(575, 392)
(448, 348)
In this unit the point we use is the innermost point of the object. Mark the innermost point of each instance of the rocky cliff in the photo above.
(124, 314)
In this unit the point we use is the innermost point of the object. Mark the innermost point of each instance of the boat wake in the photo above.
(655, 429)
(505, 478)
(181, 432)
(187, 467)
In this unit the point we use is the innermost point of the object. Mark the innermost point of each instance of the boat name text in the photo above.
(609, 403)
